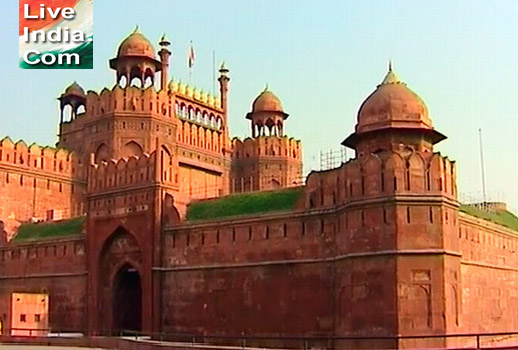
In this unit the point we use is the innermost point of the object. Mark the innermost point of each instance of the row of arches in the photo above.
(70, 112)
(141, 77)
(198, 136)
(269, 128)
(190, 113)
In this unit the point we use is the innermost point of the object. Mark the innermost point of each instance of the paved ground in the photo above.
(31, 347)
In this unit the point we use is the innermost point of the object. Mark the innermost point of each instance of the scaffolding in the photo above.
(332, 159)
(490, 203)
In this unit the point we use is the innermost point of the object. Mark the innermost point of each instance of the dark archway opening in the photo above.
(127, 300)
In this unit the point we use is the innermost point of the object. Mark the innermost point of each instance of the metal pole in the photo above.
(213, 72)
(482, 170)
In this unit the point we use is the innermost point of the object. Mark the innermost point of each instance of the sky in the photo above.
(322, 59)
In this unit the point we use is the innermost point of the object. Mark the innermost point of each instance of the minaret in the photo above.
(223, 88)
(164, 58)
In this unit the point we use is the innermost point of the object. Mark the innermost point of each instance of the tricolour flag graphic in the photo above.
(64, 40)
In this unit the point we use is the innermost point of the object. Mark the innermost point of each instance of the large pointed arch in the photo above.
(120, 252)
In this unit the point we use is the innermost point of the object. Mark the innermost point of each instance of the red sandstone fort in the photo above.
(147, 216)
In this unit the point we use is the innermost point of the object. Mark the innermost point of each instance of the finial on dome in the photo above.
(223, 68)
(136, 30)
(266, 88)
(164, 41)
(391, 77)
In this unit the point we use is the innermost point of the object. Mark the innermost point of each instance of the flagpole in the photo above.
(482, 170)
(190, 61)
(213, 72)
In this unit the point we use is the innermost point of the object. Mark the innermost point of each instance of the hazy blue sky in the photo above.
(322, 58)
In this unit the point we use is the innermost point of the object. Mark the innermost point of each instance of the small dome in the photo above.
(267, 102)
(392, 104)
(136, 44)
(74, 89)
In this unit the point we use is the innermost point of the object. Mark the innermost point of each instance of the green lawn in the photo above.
(57, 229)
(502, 217)
(244, 204)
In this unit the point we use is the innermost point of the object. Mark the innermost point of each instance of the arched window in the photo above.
(136, 82)
(81, 109)
(67, 113)
(148, 78)
(123, 81)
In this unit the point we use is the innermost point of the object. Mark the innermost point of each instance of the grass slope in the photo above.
(58, 229)
(504, 218)
(244, 204)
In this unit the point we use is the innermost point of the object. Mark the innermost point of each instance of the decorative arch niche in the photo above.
(132, 149)
(101, 154)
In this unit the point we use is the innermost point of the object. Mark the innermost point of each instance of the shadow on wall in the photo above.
(171, 215)
(3, 240)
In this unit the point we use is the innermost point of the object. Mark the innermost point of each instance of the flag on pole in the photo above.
(191, 56)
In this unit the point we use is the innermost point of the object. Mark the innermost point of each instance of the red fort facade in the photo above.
(378, 246)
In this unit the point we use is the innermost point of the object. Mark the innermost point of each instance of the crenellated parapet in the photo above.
(267, 146)
(40, 160)
(128, 99)
(386, 173)
(123, 173)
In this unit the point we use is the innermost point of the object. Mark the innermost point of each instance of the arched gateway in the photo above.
(127, 300)
(120, 284)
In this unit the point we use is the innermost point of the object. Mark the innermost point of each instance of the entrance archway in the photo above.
(127, 300)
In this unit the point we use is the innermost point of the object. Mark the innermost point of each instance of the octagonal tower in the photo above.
(269, 159)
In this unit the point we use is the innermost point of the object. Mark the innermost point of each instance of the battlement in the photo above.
(267, 146)
(125, 172)
(33, 257)
(129, 99)
(149, 100)
(268, 236)
(381, 174)
(47, 160)
(192, 93)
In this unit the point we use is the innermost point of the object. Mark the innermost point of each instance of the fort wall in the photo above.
(351, 226)
(219, 275)
(38, 183)
(54, 267)
(489, 275)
